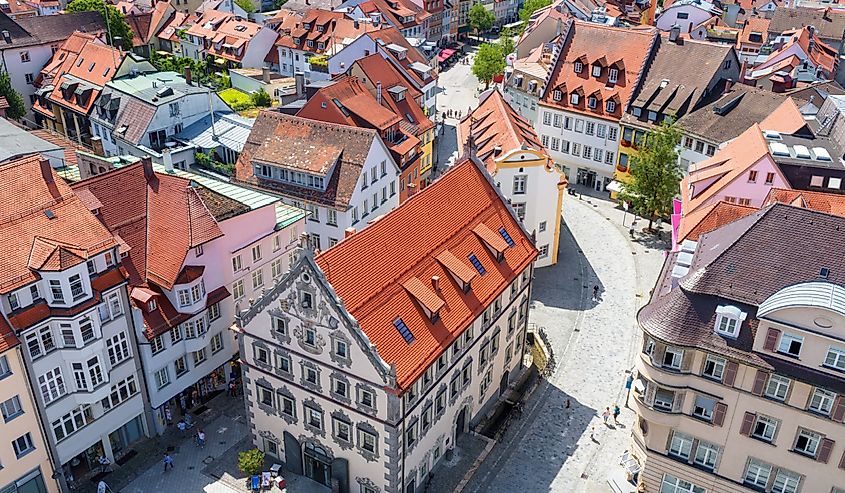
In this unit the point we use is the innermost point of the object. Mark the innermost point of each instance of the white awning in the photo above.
(614, 186)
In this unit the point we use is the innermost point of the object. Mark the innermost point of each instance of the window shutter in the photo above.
(729, 376)
(693, 450)
(759, 382)
(771, 339)
(839, 408)
(747, 423)
(719, 412)
(824, 450)
(686, 362)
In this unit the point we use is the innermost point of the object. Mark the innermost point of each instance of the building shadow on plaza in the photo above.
(536, 446)
(569, 283)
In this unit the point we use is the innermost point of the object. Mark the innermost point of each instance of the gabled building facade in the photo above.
(595, 76)
(368, 386)
(192, 254)
(346, 179)
(65, 297)
(231, 40)
(520, 167)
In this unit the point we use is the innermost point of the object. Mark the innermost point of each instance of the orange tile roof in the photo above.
(495, 125)
(161, 217)
(336, 28)
(755, 25)
(710, 218)
(821, 54)
(443, 217)
(8, 340)
(625, 49)
(713, 174)
(831, 203)
(378, 69)
(89, 69)
(70, 146)
(786, 118)
(28, 189)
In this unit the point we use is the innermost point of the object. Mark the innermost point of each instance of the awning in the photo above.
(445, 54)
(614, 186)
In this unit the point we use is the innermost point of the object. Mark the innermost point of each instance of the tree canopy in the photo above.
(116, 21)
(16, 109)
(506, 43)
(247, 5)
(489, 62)
(480, 18)
(655, 173)
(531, 6)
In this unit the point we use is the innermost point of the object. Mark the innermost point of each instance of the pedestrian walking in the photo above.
(233, 389)
(616, 412)
(593, 433)
(183, 403)
(201, 438)
(606, 415)
(596, 292)
(182, 426)
(168, 461)
(104, 463)
(568, 403)
(168, 416)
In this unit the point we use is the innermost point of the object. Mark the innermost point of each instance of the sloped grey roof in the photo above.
(16, 142)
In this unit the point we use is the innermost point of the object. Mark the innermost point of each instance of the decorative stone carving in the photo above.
(370, 456)
(280, 313)
(337, 376)
(372, 411)
(368, 483)
(283, 391)
(316, 387)
(340, 335)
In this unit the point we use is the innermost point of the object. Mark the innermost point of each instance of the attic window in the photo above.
(557, 95)
(613, 76)
(477, 264)
(824, 272)
(49, 214)
(307, 25)
(592, 101)
(91, 67)
(151, 305)
(507, 237)
(578, 67)
(610, 107)
(106, 71)
(573, 98)
(728, 320)
(596, 70)
(79, 63)
(404, 331)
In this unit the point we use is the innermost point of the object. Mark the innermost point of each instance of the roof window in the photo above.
(506, 237)
(404, 331)
(728, 320)
(477, 264)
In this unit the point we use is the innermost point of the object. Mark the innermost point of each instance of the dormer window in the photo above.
(557, 95)
(573, 98)
(296, 40)
(610, 107)
(578, 67)
(321, 29)
(728, 320)
(307, 26)
(613, 76)
(592, 102)
(152, 305)
(310, 43)
(596, 70)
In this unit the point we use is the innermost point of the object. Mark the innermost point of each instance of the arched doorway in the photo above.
(317, 464)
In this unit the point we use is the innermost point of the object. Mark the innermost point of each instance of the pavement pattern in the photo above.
(561, 443)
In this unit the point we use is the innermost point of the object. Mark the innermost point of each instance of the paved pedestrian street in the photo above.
(550, 447)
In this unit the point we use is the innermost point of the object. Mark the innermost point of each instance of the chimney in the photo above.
(167, 159)
(7, 37)
(348, 232)
(188, 76)
(674, 33)
(265, 75)
(47, 175)
(97, 146)
(147, 163)
(435, 283)
(299, 77)
(728, 84)
(356, 24)
(378, 92)
(303, 240)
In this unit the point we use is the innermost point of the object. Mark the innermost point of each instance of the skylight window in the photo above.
(477, 264)
(507, 237)
(404, 331)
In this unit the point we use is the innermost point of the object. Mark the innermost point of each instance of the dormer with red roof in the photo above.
(394, 343)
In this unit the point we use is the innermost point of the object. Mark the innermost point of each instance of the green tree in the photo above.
(251, 462)
(16, 108)
(488, 63)
(506, 44)
(531, 6)
(116, 22)
(261, 99)
(480, 18)
(655, 173)
(247, 5)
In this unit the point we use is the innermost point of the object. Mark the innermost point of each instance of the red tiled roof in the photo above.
(165, 316)
(190, 273)
(70, 147)
(443, 216)
(8, 340)
(710, 218)
(362, 109)
(494, 124)
(831, 203)
(28, 189)
(377, 69)
(336, 28)
(625, 49)
(160, 217)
